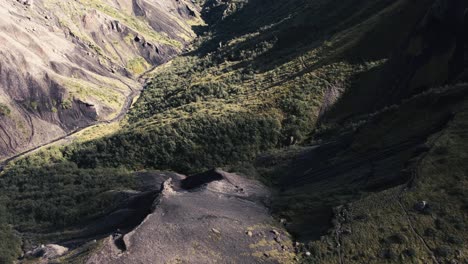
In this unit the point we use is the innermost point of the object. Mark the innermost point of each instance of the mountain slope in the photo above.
(247, 90)
(389, 189)
(352, 112)
(66, 65)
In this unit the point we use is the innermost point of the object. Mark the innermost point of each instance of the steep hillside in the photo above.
(369, 195)
(434, 55)
(238, 94)
(387, 186)
(68, 64)
(351, 112)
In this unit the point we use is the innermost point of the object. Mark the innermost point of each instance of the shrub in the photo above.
(4, 110)
(188, 145)
(388, 254)
(66, 104)
(57, 195)
(397, 239)
(9, 243)
(443, 251)
(410, 252)
(453, 239)
(441, 150)
(430, 232)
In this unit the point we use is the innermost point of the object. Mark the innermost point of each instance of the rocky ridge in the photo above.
(224, 220)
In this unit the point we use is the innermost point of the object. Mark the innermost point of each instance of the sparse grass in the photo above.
(4, 110)
(133, 22)
(96, 132)
(442, 182)
(138, 66)
(81, 254)
(66, 103)
(87, 91)
(385, 227)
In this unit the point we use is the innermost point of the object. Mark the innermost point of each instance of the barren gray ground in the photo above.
(224, 221)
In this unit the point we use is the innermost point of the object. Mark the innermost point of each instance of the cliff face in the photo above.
(68, 64)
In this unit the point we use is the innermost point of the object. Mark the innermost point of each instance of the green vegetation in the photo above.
(371, 225)
(388, 227)
(182, 144)
(66, 104)
(9, 241)
(81, 22)
(34, 105)
(4, 110)
(108, 92)
(226, 106)
(245, 88)
(271, 84)
(133, 22)
(40, 197)
(138, 65)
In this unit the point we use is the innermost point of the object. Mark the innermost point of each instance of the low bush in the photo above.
(4, 110)
(57, 195)
(443, 251)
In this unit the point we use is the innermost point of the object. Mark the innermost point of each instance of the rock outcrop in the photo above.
(68, 64)
(49, 251)
(223, 220)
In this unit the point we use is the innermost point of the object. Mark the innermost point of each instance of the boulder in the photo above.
(49, 251)
(26, 2)
(420, 206)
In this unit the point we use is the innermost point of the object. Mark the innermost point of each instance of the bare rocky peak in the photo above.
(213, 217)
(69, 64)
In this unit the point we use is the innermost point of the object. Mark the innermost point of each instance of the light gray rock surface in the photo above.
(49, 251)
(223, 221)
